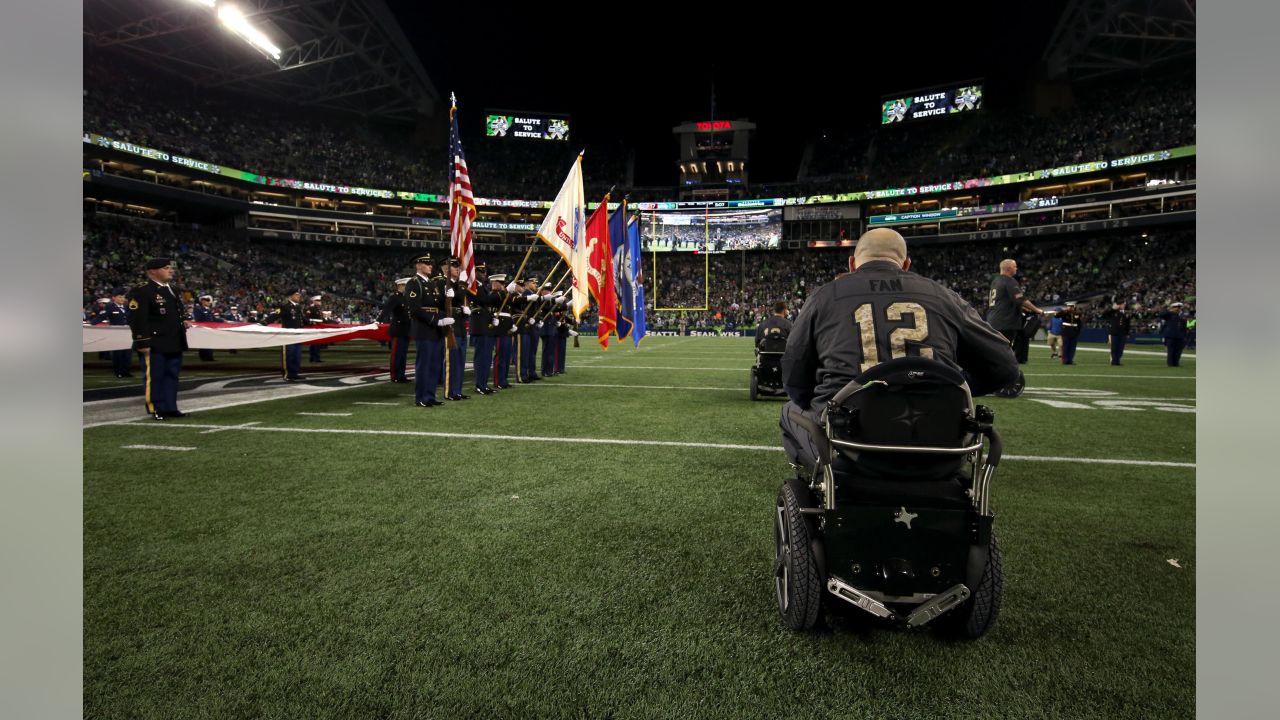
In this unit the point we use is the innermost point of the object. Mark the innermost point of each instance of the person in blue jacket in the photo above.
(1173, 330)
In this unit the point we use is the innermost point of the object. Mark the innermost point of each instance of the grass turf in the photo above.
(333, 574)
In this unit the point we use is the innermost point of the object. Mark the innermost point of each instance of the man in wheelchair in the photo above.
(889, 513)
(771, 342)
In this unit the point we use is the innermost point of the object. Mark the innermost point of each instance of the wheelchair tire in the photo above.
(978, 614)
(798, 585)
(755, 385)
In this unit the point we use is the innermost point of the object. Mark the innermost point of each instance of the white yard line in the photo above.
(234, 427)
(157, 447)
(379, 403)
(1131, 377)
(314, 414)
(621, 441)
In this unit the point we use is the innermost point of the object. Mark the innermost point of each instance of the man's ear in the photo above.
(906, 264)
(852, 265)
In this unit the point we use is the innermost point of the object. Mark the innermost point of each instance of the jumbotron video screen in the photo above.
(711, 231)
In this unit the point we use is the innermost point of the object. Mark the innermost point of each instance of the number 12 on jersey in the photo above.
(917, 332)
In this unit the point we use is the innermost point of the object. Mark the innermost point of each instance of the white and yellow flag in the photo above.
(563, 230)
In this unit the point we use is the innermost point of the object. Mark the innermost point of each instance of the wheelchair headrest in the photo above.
(773, 343)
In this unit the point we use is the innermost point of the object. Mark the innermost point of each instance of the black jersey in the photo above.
(881, 312)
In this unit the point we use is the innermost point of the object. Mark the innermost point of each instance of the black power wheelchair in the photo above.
(766, 374)
(891, 523)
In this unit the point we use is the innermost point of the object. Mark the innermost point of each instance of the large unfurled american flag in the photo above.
(462, 205)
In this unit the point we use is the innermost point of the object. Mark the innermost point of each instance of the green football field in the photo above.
(599, 545)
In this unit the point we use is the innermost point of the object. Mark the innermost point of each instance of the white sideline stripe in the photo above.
(377, 403)
(158, 447)
(236, 427)
(1127, 351)
(1135, 377)
(1099, 461)
(637, 387)
(326, 414)
(617, 441)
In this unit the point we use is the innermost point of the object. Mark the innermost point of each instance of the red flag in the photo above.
(600, 271)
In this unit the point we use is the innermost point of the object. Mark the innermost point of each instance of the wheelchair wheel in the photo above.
(795, 569)
(755, 385)
(978, 614)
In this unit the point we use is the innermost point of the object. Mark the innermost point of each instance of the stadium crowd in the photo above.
(1110, 118)
(249, 277)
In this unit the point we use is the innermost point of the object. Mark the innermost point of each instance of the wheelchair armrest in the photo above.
(816, 431)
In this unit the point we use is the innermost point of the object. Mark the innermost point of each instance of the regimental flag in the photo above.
(638, 325)
(621, 271)
(600, 271)
(562, 230)
(462, 205)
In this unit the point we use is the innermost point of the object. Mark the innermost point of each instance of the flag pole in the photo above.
(554, 268)
(527, 253)
(567, 272)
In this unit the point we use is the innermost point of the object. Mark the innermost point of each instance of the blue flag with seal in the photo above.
(622, 275)
(638, 326)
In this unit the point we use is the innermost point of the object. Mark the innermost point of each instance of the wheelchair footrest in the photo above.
(937, 605)
(859, 599)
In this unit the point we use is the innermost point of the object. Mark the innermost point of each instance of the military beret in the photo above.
(424, 258)
(157, 263)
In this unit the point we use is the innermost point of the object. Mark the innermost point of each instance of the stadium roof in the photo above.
(1100, 37)
(345, 55)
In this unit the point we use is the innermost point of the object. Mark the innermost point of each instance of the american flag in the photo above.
(462, 205)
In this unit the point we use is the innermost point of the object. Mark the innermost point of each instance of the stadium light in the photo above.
(230, 16)
(206, 3)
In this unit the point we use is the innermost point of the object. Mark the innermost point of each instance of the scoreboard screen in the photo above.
(534, 127)
(931, 103)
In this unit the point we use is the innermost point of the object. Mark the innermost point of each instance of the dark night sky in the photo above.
(793, 73)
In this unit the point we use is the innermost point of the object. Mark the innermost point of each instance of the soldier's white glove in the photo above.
(512, 331)
(448, 292)
(466, 310)
(573, 333)
(539, 323)
(504, 314)
(511, 287)
(495, 322)
(531, 297)
(444, 322)
(563, 300)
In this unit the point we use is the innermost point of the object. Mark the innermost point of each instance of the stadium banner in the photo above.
(526, 125)
(621, 265)
(636, 274)
(931, 103)
(1062, 228)
(850, 197)
(600, 274)
(232, 336)
(562, 231)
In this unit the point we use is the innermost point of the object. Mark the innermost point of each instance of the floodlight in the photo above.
(236, 22)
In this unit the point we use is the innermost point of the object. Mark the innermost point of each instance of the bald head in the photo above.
(1008, 267)
(880, 244)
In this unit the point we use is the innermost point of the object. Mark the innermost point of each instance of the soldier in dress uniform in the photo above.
(292, 316)
(158, 322)
(527, 332)
(113, 313)
(504, 334)
(457, 297)
(547, 330)
(424, 298)
(484, 303)
(315, 316)
(203, 312)
(396, 314)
